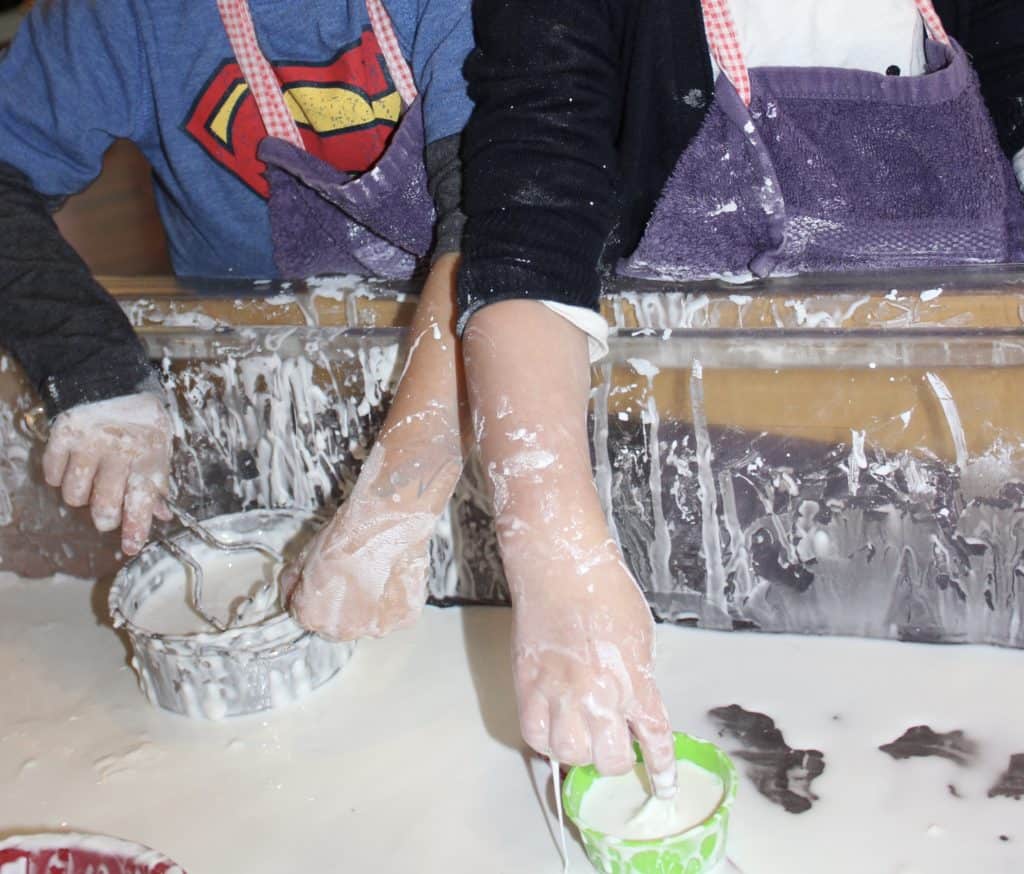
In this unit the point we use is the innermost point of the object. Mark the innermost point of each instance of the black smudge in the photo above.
(780, 773)
(1011, 784)
(921, 741)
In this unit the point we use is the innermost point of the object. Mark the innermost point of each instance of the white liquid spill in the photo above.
(438, 703)
(599, 440)
(556, 782)
(624, 807)
(711, 535)
(660, 550)
(949, 410)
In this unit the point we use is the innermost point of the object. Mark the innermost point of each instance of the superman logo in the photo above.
(345, 109)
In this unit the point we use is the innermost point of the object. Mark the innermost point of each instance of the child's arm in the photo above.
(68, 86)
(539, 194)
(584, 637)
(366, 573)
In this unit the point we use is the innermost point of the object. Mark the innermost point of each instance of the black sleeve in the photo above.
(539, 158)
(70, 336)
(444, 179)
(993, 34)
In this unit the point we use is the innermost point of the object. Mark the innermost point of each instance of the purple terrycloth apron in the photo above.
(819, 169)
(324, 220)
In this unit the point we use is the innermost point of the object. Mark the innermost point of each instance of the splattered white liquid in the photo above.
(624, 807)
(228, 580)
(412, 760)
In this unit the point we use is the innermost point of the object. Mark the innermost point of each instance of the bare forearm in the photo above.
(426, 432)
(529, 383)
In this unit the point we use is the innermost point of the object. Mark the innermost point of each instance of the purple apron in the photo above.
(324, 220)
(819, 169)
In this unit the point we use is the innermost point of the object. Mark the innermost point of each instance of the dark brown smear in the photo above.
(1011, 784)
(780, 773)
(922, 741)
(954, 791)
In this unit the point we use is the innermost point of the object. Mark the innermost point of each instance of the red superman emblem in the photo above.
(345, 109)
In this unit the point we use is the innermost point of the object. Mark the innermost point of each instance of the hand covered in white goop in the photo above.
(584, 636)
(365, 574)
(115, 456)
(584, 666)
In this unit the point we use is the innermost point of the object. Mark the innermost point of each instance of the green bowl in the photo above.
(695, 851)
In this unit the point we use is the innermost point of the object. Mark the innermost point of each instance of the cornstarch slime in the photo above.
(624, 807)
(556, 779)
(229, 580)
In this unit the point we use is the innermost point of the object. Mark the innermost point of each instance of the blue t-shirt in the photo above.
(81, 73)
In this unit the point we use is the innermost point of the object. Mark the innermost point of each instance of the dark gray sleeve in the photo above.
(71, 337)
(444, 179)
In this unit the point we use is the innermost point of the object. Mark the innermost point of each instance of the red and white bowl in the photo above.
(80, 854)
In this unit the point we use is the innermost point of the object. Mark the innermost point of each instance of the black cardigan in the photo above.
(582, 109)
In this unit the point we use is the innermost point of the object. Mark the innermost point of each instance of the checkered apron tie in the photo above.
(728, 54)
(262, 81)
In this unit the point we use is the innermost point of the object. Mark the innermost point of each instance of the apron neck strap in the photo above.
(728, 53)
(258, 73)
(262, 80)
(384, 30)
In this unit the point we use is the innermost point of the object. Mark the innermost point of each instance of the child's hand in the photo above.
(114, 455)
(584, 660)
(584, 637)
(365, 574)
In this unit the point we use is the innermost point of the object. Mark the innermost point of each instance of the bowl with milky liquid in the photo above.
(48, 853)
(264, 661)
(625, 832)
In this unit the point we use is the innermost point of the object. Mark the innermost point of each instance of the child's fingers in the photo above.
(535, 723)
(613, 751)
(108, 493)
(78, 476)
(137, 517)
(55, 458)
(570, 736)
(653, 732)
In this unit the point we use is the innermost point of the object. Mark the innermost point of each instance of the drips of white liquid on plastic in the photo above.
(229, 580)
(624, 807)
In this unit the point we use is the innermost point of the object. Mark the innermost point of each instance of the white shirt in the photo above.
(852, 34)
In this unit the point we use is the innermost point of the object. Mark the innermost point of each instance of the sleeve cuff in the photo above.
(591, 323)
(61, 392)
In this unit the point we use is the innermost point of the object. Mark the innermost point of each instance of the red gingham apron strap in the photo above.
(262, 81)
(259, 74)
(932, 21)
(383, 29)
(725, 45)
(728, 54)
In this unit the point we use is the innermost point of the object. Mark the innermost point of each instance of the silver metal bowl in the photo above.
(215, 674)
